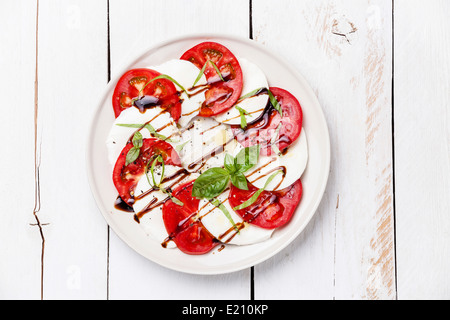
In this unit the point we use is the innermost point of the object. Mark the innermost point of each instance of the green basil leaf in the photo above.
(181, 146)
(217, 70)
(239, 181)
(146, 172)
(137, 140)
(256, 195)
(174, 200)
(247, 158)
(225, 211)
(132, 155)
(152, 170)
(274, 140)
(155, 134)
(163, 76)
(229, 163)
(200, 74)
(275, 103)
(211, 183)
(149, 127)
(251, 94)
(160, 159)
(242, 114)
(202, 71)
(130, 125)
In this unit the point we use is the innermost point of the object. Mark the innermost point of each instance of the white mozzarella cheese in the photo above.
(119, 135)
(254, 79)
(152, 222)
(204, 143)
(220, 227)
(185, 73)
(293, 162)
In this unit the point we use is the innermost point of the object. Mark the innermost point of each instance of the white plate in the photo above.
(232, 258)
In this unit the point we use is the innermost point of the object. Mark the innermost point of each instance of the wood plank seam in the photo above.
(393, 152)
(108, 80)
(37, 155)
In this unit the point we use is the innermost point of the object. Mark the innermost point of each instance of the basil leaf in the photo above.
(218, 204)
(250, 94)
(149, 127)
(217, 70)
(247, 158)
(275, 103)
(211, 183)
(229, 163)
(131, 125)
(202, 71)
(200, 74)
(132, 155)
(274, 140)
(181, 146)
(137, 140)
(243, 113)
(256, 195)
(174, 200)
(163, 76)
(146, 172)
(239, 180)
(155, 134)
(152, 170)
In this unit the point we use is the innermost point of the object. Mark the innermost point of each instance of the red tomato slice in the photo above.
(272, 209)
(126, 177)
(161, 92)
(221, 95)
(261, 131)
(183, 228)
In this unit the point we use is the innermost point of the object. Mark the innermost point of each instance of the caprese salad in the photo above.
(204, 152)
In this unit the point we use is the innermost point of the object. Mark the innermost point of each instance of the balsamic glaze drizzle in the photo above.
(147, 102)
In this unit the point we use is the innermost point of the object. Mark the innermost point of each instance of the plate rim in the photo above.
(206, 36)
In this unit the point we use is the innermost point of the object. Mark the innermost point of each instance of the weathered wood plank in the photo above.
(21, 243)
(72, 72)
(136, 26)
(343, 48)
(422, 154)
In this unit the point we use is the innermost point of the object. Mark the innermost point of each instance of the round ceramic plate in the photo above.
(232, 258)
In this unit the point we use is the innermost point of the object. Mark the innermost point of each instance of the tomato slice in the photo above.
(161, 92)
(261, 131)
(126, 177)
(181, 223)
(272, 209)
(221, 95)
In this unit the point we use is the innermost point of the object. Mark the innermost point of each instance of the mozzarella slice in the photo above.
(254, 79)
(204, 143)
(118, 136)
(293, 162)
(185, 73)
(152, 222)
(220, 227)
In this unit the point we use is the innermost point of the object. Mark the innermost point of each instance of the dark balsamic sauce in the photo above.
(146, 102)
(261, 122)
(121, 205)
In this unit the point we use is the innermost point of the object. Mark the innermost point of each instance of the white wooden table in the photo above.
(381, 71)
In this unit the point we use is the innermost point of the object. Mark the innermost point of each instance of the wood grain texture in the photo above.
(56, 53)
(422, 148)
(135, 27)
(21, 242)
(343, 48)
(72, 69)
